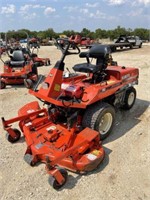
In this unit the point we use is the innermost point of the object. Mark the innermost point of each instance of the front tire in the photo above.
(100, 117)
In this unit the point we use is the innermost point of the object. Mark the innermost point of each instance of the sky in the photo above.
(61, 15)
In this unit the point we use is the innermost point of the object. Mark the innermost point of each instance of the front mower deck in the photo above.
(55, 144)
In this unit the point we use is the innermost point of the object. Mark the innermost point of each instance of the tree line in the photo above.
(99, 33)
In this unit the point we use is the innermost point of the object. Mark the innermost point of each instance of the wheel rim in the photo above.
(105, 123)
(131, 98)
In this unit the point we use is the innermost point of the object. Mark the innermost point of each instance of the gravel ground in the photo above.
(124, 173)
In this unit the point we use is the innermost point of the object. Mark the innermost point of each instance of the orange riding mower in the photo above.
(80, 113)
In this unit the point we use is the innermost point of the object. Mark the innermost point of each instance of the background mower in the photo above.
(34, 45)
(80, 111)
(17, 69)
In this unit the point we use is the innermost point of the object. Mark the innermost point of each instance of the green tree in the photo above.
(101, 33)
(144, 34)
(85, 32)
(68, 33)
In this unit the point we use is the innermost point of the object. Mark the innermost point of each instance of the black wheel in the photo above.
(2, 85)
(16, 138)
(129, 99)
(100, 117)
(140, 45)
(53, 182)
(131, 46)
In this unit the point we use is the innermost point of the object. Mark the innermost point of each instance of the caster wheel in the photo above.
(28, 158)
(53, 182)
(14, 139)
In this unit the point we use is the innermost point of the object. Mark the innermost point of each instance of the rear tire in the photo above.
(130, 97)
(100, 117)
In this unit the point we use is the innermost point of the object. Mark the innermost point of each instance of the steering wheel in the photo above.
(65, 48)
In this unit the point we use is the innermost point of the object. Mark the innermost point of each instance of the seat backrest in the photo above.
(99, 52)
(18, 55)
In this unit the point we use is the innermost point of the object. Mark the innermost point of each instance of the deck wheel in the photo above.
(53, 182)
(14, 139)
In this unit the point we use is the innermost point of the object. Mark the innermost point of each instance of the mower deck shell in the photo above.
(77, 151)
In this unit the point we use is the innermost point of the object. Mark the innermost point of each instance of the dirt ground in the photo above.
(124, 173)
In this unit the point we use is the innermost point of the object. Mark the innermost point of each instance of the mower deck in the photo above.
(55, 144)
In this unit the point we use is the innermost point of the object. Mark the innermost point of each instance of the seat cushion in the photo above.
(86, 68)
(17, 63)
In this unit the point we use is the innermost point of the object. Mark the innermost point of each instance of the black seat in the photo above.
(86, 68)
(100, 52)
(18, 59)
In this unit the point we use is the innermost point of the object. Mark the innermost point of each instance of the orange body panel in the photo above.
(117, 78)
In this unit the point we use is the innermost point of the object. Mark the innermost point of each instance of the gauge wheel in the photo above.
(100, 117)
(2, 85)
(53, 182)
(14, 139)
(130, 97)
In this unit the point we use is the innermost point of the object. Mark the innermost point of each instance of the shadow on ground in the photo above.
(126, 120)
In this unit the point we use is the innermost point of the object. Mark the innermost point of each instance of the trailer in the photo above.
(126, 41)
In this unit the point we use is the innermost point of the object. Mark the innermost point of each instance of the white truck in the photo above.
(135, 41)
(126, 41)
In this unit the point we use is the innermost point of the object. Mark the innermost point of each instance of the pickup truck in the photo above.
(135, 41)
(126, 41)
